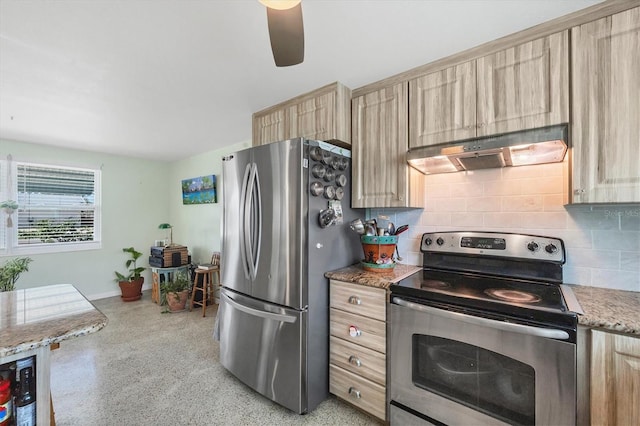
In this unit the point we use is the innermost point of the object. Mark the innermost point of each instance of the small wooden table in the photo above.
(167, 274)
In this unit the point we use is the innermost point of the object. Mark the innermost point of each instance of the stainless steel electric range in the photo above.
(484, 334)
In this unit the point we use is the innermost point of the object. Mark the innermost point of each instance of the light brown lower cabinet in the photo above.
(615, 379)
(358, 346)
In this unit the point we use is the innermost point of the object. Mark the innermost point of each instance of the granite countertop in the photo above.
(614, 310)
(42, 316)
(356, 274)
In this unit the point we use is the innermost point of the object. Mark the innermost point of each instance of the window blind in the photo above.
(56, 204)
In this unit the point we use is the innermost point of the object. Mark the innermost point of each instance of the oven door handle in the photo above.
(549, 333)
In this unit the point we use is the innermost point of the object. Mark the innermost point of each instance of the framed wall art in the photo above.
(199, 190)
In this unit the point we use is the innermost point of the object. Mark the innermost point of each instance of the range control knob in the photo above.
(440, 241)
(550, 248)
(427, 241)
(532, 246)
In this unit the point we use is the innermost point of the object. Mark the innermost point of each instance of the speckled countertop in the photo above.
(355, 274)
(614, 310)
(42, 316)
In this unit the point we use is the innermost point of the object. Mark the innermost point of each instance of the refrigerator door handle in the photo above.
(253, 219)
(257, 312)
(244, 222)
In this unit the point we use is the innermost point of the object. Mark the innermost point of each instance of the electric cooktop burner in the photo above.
(512, 295)
(435, 284)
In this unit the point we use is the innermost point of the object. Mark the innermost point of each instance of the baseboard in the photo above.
(113, 293)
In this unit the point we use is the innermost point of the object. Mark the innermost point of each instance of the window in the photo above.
(58, 208)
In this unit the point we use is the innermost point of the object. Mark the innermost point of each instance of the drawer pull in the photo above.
(354, 392)
(354, 331)
(355, 300)
(355, 361)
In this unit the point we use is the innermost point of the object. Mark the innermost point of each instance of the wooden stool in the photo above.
(206, 288)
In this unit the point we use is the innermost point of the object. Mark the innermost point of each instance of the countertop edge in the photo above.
(609, 309)
(48, 341)
(357, 275)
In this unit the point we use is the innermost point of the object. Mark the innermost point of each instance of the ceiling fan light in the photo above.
(280, 4)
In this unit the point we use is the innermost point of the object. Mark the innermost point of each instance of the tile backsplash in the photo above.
(602, 241)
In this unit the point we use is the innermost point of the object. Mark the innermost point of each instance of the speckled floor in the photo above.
(148, 368)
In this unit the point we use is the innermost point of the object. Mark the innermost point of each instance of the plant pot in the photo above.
(177, 301)
(131, 290)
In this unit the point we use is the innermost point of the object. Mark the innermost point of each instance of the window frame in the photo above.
(10, 240)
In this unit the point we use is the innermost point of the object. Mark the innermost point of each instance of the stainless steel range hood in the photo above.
(535, 146)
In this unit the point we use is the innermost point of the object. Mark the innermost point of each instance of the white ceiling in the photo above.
(168, 79)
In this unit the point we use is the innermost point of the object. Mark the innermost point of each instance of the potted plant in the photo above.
(11, 270)
(174, 293)
(131, 284)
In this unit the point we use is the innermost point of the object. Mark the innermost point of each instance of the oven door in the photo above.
(457, 368)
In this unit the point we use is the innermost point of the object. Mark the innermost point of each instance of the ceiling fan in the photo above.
(286, 31)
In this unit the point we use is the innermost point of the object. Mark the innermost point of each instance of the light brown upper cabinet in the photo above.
(323, 114)
(381, 175)
(525, 86)
(268, 127)
(606, 109)
(522, 87)
(442, 106)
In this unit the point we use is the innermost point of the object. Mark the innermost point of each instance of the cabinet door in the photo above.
(524, 87)
(269, 127)
(606, 109)
(313, 118)
(615, 379)
(381, 175)
(442, 106)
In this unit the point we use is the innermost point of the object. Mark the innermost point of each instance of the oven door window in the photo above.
(483, 380)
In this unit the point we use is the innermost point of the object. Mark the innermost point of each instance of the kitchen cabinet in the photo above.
(442, 106)
(525, 86)
(269, 127)
(381, 175)
(606, 109)
(522, 87)
(358, 367)
(615, 379)
(323, 114)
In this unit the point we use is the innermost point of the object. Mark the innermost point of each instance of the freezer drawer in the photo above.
(263, 345)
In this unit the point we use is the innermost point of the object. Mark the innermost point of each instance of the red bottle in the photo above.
(6, 406)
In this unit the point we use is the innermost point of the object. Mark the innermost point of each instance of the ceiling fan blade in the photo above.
(287, 35)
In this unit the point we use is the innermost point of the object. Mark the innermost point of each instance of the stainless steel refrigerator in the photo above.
(285, 223)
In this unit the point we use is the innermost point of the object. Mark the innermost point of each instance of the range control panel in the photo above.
(530, 247)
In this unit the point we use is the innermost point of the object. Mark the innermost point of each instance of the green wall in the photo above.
(137, 195)
(134, 202)
(198, 226)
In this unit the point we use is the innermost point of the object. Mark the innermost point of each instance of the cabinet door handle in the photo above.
(355, 361)
(355, 300)
(354, 331)
(354, 392)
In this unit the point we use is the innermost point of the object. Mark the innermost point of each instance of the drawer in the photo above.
(362, 393)
(359, 360)
(371, 333)
(359, 299)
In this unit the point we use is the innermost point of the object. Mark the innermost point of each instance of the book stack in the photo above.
(208, 267)
(169, 256)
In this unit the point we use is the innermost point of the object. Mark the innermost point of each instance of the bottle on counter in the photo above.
(6, 402)
(26, 401)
